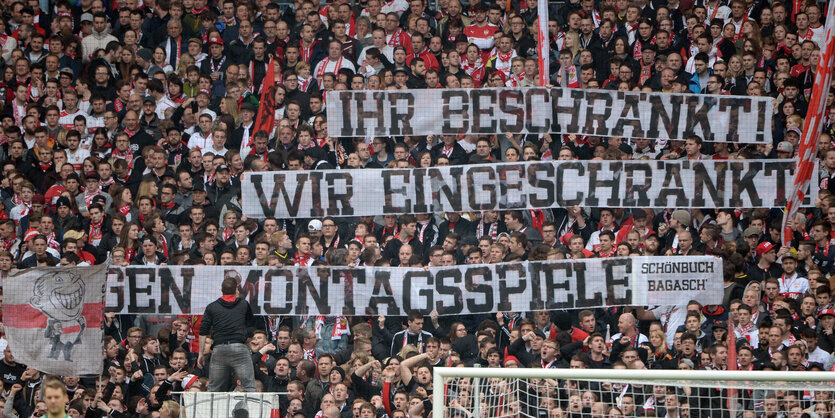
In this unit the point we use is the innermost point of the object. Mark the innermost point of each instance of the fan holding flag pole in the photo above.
(813, 124)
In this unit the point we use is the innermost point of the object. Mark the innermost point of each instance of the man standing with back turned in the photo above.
(227, 320)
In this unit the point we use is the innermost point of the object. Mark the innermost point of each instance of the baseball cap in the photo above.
(539, 333)
(149, 99)
(64, 14)
(86, 17)
(793, 129)
(67, 71)
(314, 225)
(764, 247)
(826, 312)
(792, 253)
(189, 380)
(751, 231)
(198, 187)
(222, 167)
(215, 40)
(785, 146)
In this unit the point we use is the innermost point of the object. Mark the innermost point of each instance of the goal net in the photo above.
(557, 393)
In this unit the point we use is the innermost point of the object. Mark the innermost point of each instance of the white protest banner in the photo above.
(453, 290)
(53, 318)
(539, 110)
(524, 185)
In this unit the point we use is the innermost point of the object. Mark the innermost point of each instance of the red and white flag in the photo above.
(543, 51)
(812, 126)
(53, 318)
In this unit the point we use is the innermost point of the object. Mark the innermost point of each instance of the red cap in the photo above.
(215, 40)
(38, 198)
(764, 247)
(511, 358)
(188, 381)
(31, 233)
(64, 14)
(826, 312)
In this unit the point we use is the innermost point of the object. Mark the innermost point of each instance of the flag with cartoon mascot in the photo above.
(53, 318)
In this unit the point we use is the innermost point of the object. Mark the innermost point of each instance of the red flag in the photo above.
(812, 126)
(732, 365)
(265, 120)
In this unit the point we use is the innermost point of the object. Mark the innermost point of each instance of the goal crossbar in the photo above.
(703, 378)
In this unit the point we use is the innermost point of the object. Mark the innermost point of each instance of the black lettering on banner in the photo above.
(510, 104)
(762, 112)
(745, 183)
(346, 277)
(479, 110)
(730, 106)
(565, 185)
(167, 285)
(580, 280)
(630, 115)
(506, 185)
(669, 120)
(471, 276)
(540, 183)
(716, 189)
(613, 184)
(633, 188)
(672, 185)
(401, 121)
(699, 116)
(479, 190)
(382, 294)
(618, 284)
(451, 191)
(249, 289)
(316, 210)
(505, 289)
(116, 284)
(426, 291)
(307, 285)
(343, 198)
(451, 112)
(570, 111)
(134, 290)
(530, 121)
(279, 191)
(346, 97)
(601, 119)
(558, 280)
(395, 183)
(534, 271)
(420, 194)
(270, 280)
(780, 169)
(442, 277)
(377, 113)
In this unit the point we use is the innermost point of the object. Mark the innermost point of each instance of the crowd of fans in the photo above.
(128, 127)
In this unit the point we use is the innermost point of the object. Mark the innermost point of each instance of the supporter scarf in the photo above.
(396, 38)
(306, 51)
(324, 67)
(227, 233)
(310, 355)
(738, 33)
(45, 166)
(303, 83)
(475, 69)
(163, 242)
(197, 12)
(340, 327)
(302, 259)
(570, 74)
(95, 232)
(126, 155)
(219, 66)
(492, 232)
(447, 150)
(88, 196)
(7, 244)
(646, 73)
(108, 182)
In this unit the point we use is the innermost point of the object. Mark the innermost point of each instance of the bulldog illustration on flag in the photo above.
(53, 318)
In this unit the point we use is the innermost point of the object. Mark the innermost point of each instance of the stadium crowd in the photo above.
(128, 127)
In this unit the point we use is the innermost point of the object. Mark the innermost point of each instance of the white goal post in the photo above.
(728, 381)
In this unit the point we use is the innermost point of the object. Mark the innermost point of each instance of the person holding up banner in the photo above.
(226, 321)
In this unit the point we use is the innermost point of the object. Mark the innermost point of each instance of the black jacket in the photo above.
(227, 321)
